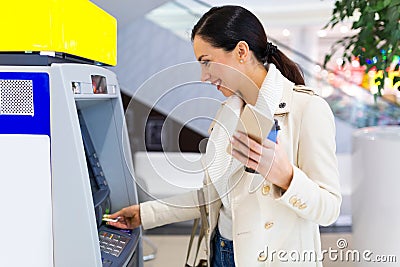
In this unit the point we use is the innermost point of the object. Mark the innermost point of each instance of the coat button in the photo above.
(303, 206)
(297, 203)
(282, 105)
(222, 244)
(293, 200)
(266, 189)
(268, 225)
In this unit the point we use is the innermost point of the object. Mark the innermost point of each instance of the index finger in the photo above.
(248, 141)
(114, 215)
(118, 225)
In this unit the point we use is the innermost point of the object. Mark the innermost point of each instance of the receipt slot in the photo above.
(375, 194)
(65, 162)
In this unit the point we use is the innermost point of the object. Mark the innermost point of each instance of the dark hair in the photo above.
(223, 27)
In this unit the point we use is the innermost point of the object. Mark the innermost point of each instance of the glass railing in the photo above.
(179, 16)
(350, 102)
(357, 106)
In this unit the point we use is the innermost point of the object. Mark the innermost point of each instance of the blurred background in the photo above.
(154, 39)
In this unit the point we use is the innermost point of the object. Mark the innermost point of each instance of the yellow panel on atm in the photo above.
(76, 27)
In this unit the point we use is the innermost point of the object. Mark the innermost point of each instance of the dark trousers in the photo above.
(222, 251)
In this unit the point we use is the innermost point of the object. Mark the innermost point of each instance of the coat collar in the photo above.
(286, 101)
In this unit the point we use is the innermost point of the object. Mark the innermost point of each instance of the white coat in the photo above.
(272, 227)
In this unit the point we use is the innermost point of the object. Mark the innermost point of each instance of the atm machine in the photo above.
(65, 157)
(75, 110)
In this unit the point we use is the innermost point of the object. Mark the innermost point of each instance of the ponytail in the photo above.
(287, 67)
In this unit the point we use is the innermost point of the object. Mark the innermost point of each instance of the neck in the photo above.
(250, 87)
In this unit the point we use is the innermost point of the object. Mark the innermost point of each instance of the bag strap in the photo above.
(202, 206)
(194, 228)
(203, 227)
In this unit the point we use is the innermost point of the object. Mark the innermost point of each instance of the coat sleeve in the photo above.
(314, 192)
(165, 211)
(178, 208)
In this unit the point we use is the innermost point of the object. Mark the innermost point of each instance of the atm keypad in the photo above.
(112, 243)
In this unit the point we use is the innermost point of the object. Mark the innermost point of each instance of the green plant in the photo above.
(376, 41)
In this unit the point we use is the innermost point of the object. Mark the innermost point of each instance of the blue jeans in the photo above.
(222, 251)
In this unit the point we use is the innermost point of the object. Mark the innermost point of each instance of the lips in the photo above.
(217, 83)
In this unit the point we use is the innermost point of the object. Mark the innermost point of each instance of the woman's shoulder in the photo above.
(304, 89)
(304, 95)
(306, 99)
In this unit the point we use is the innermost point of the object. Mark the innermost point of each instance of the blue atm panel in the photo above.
(24, 103)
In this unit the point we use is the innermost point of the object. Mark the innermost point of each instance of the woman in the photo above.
(269, 217)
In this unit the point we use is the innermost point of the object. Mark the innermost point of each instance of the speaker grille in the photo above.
(16, 97)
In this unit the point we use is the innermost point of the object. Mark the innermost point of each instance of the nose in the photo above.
(205, 75)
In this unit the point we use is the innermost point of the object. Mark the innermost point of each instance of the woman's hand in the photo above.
(129, 218)
(268, 159)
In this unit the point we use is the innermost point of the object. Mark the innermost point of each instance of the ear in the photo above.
(242, 51)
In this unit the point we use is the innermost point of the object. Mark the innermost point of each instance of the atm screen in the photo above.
(116, 246)
(98, 182)
(100, 196)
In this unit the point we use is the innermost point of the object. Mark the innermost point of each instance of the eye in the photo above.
(205, 62)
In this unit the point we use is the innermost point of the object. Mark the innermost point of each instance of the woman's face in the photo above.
(217, 66)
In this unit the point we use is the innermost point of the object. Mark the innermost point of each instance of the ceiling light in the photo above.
(326, 91)
(286, 32)
(317, 68)
(355, 63)
(321, 33)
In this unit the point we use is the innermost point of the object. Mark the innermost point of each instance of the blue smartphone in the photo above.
(273, 134)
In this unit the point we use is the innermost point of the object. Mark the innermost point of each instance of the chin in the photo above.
(226, 92)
